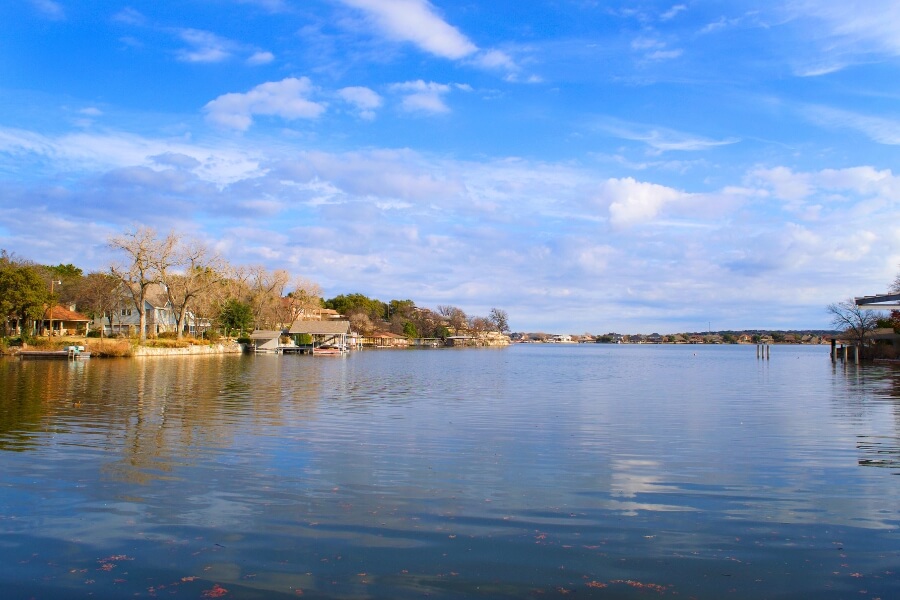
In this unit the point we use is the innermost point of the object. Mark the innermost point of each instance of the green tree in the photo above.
(23, 293)
(236, 316)
(409, 330)
(348, 304)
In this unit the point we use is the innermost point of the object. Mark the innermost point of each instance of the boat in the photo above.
(68, 353)
(328, 350)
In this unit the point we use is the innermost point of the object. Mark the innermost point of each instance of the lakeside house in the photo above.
(385, 339)
(160, 316)
(60, 321)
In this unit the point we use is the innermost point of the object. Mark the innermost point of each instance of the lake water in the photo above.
(530, 471)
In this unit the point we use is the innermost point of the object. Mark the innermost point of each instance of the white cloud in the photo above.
(130, 16)
(879, 129)
(260, 58)
(673, 12)
(422, 97)
(784, 183)
(661, 139)
(205, 46)
(496, 59)
(832, 185)
(634, 202)
(417, 22)
(50, 9)
(870, 26)
(363, 99)
(287, 99)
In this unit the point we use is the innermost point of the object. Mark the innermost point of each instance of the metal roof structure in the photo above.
(879, 302)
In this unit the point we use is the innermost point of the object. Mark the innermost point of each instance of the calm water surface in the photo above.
(530, 471)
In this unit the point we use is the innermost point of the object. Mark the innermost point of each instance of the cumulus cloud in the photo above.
(829, 186)
(417, 22)
(363, 99)
(633, 202)
(288, 99)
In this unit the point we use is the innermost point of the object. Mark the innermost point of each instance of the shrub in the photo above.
(109, 348)
(167, 335)
(93, 333)
(244, 340)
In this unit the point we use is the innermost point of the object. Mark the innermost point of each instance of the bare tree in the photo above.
(455, 317)
(301, 301)
(499, 319)
(360, 321)
(266, 288)
(190, 272)
(856, 322)
(145, 254)
(98, 295)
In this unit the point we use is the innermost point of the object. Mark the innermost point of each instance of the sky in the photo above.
(587, 166)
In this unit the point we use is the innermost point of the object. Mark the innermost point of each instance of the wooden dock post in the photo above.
(833, 350)
(767, 352)
(856, 354)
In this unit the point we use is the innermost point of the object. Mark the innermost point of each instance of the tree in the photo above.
(302, 300)
(410, 331)
(856, 322)
(145, 256)
(360, 321)
(500, 320)
(189, 272)
(98, 295)
(455, 317)
(376, 310)
(23, 292)
(236, 316)
(266, 288)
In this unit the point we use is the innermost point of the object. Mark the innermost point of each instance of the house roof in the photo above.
(262, 334)
(385, 334)
(320, 327)
(61, 313)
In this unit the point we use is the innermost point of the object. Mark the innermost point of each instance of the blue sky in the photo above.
(586, 165)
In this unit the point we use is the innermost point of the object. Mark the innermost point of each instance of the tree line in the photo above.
(196, 282)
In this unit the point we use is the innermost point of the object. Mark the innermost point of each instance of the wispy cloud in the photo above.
(416, 22)
(848, 32)
(287, 99)
(673, 12)
(660, 139)
(879, 129)
(260, 58)
(49, 9)
(424, 97)
(204, 46)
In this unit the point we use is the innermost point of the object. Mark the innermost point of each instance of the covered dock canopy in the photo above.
(879, 302)
(322, 332)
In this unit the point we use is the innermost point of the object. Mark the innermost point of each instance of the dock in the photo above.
(69, 353)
